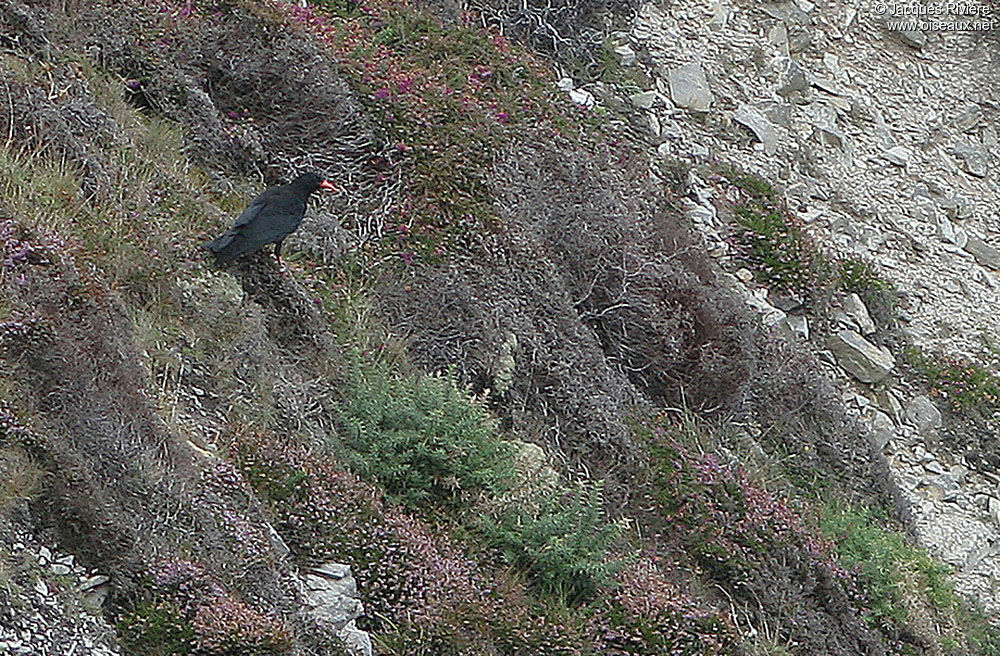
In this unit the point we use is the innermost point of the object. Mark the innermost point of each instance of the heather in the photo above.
(964, 385)
(420, 582)
(782, 253)
(445, 96)
(187, 612)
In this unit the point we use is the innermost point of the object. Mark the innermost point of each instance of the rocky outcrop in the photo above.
(689, 88)
(923, 414)
(984, 253)
(331, 596)
(879, 162)
(49, 604)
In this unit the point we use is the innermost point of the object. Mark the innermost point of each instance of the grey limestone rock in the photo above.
(985, 254)
(689, 88)
(759, 125)
(923, 414)
(862, 359)
(331, 594)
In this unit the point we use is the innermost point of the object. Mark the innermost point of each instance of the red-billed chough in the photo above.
(271, 217)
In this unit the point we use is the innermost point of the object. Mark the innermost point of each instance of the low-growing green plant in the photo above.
(423, 438)
(860, 277)
(721, 517)
(277, 481)
(156, 629)
(771, 239)
(649, 614)
(881, 555)
(892, 570)
(604, 65)
(422, 593)
(755, 187)
(963, 384)
(775, 244)
(774, 241)
(562, 539)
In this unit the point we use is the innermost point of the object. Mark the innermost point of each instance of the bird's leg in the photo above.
(277, 252)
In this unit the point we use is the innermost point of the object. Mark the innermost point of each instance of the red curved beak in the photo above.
(326, 184)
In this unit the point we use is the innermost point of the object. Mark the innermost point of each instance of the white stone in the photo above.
(858, 313)
(643, 99)
(582, 97)
(796, 325)
(897, 155)
(759, 125)
(626, 55)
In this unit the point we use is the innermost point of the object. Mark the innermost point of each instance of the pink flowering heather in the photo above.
(649, 614)
(959, 382)
(451, 92)
(414, 580)
(204, 616)
(727, 521)
(226, 489)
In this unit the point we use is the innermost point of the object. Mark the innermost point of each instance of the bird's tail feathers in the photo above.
(227, 247)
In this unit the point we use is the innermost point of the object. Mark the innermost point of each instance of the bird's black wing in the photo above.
(268, 219)
(248, 215)
(239, 239)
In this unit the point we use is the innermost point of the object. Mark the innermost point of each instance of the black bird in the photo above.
(271, 217)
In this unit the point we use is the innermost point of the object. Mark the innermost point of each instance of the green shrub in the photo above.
(959, 381)
(879, 554)
(562, 540)
(776, 244)
(771, 239)
(156, 629)
(424, 439)
(860, 277)
(893, 570)
(728, 522)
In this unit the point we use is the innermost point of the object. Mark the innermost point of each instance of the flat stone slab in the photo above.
(984, 253)
(923, 414)
(759, 125)
(860, 358)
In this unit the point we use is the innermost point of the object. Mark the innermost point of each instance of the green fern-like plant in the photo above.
(426, 440)
(563, 540)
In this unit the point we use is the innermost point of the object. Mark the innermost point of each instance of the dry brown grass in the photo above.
(19, 477)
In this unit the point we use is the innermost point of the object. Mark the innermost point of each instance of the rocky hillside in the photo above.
(643, 330)
(884, 141)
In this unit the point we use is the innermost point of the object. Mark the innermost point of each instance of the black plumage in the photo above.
(270, 218)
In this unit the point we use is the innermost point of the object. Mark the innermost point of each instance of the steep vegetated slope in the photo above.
(498, 377)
